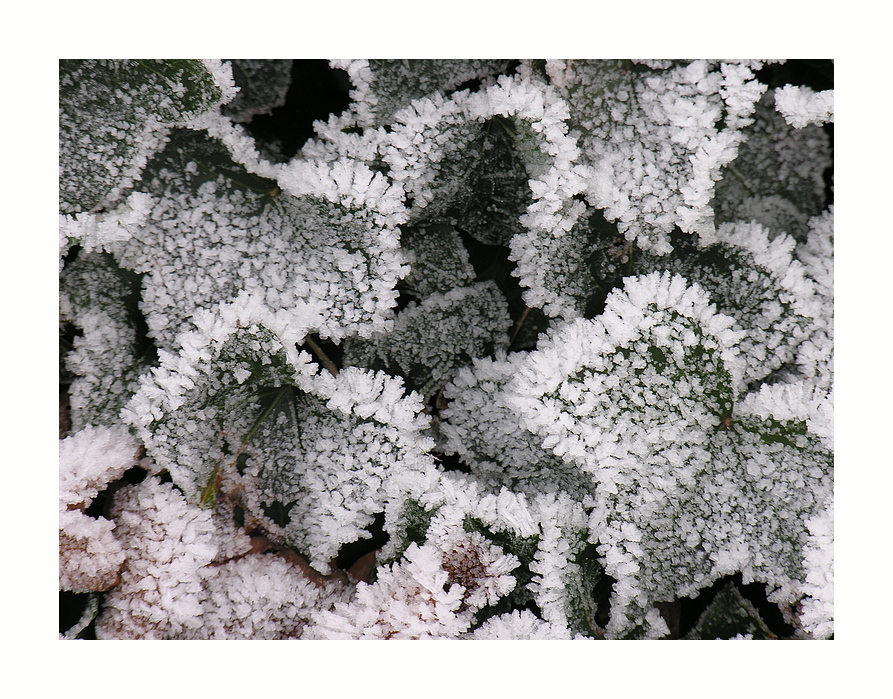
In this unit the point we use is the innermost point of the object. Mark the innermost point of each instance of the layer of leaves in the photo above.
(115, 114)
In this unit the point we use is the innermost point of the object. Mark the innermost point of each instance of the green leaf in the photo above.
(114, 115)
(730, 615)
(111, 353)
(749, 277)
(303, 254)
(777, 179)
(388, 85)
(432, 339)
(441, 261)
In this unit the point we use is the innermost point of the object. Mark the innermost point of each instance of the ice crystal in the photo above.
(554, 338)
(682, 476)
(90, 556)
(656, 139)
(114, 115)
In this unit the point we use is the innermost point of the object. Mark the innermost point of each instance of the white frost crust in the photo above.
(553, 186)
(802, 106)
(415, 146)
(581, 343)
(345, 180)
(802, 401)
(167, 541)
(187, 576)
(482, 428)
(653, 141)
(261, 597)
(222, 74)
(776, 254)
(419, 596)
(815, 356)
(363, 97)
(166, 388)
(817, 611)
(91, 459)
(89, 554)
(561, 519)
(519, 626)
(96, 231)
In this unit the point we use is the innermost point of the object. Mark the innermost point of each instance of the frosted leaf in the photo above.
(263, 85)
(114, 115)
(656, 139)
(434, 589)
(801, 402)
(801, 106)
(688, 488)
(817, 609)
(166, 542)
(518, 626)
(90, 459)
(560, 273)
(295, 252)
(316, 469)
(108, 356)
(815, 357)
(565, 566)
(439, 260)
(483, 430)
(96, 231)
(90, 557)
(189, 574)
(261, 597)
(547, 534)
(196, 406)
(381, 87)
(750, 276)
(491, 163)
(409, 600)
(777, 179)
(304, 454)
(432, 339)
(730, 616)
(591, 381)
(479, 180)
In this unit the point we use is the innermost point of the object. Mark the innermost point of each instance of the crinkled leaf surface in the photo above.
(656, 138)
(432, 339)
(778, 177)
(291, 251)
(642, 399)
(100, 298)
(115, 114)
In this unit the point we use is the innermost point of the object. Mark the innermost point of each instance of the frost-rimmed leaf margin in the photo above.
(196, 407)
(103, 151)
(382, 87)
(656, 137)
(681, 482)
(751, 276)
(325, 241)
(548, 533)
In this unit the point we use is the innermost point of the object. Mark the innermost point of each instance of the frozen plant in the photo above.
(509, 349)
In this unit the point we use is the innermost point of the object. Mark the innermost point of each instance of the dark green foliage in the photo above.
(730, 615)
